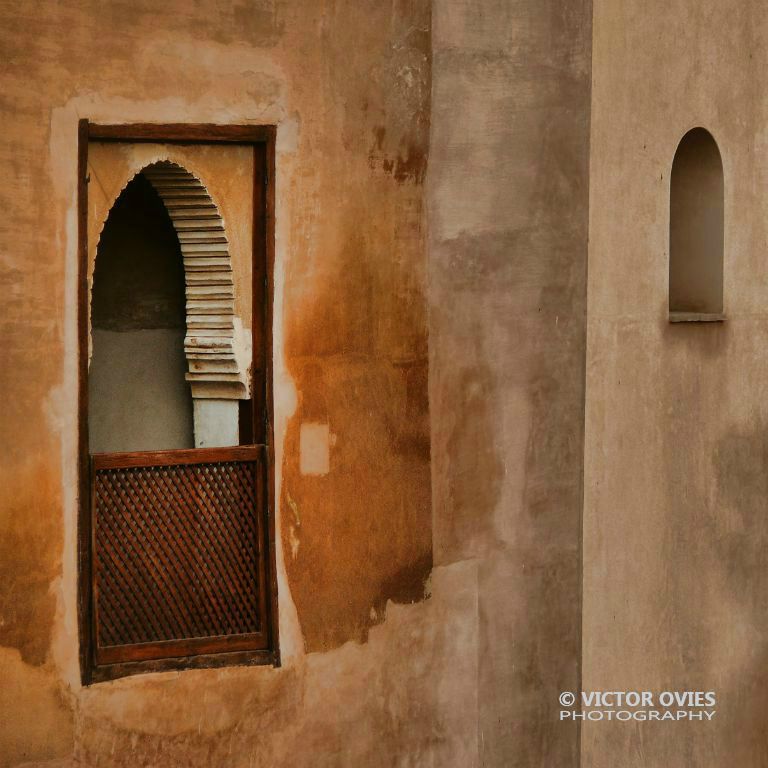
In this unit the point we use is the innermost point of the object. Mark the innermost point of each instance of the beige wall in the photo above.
(508, 249)
(675, 531)
(469, 676)
(479, 485)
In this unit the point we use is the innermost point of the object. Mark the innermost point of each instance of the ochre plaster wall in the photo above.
(675, 532)
(348, 84)
(508, 247)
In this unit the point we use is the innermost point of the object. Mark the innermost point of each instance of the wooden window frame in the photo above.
(256, 421)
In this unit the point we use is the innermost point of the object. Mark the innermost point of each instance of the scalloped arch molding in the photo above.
(209, 345)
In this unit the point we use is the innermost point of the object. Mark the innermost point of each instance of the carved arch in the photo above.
(209, 345)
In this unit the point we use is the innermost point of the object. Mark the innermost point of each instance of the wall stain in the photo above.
(475, 469)
(408, 165)
(37, 720)
(30, 559)
(355, 327)
(352, 247)
(737, 539)
(712, 565)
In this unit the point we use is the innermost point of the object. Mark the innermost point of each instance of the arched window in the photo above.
(696, 229)
(174, 317)
(164, 237)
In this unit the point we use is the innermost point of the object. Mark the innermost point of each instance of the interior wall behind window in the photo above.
(138, 396)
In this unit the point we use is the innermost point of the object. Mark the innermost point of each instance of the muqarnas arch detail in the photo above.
(210, 344)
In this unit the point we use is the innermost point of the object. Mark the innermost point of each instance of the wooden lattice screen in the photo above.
(178, 553)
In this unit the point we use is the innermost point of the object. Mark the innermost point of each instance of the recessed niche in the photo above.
(696, 230)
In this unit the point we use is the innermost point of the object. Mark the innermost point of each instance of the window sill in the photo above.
(696, 317)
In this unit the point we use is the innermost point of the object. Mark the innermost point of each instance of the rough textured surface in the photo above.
(469, 676)
(348, 84)
(674, 449)
(675, 530)
(37, 720)
(508, 250)
(357, 349)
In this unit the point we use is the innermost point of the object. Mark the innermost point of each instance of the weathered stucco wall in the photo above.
(675, 532)
(348, 84)
(508, 248)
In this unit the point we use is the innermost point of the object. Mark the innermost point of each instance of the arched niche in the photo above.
(696, 227)
(215, 377)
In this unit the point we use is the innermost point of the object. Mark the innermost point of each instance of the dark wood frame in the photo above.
(262, 139)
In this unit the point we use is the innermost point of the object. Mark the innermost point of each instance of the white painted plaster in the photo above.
(216, 423)
(314, 449)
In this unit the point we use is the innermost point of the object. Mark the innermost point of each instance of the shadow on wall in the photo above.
(737, 532)
(712, 616)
